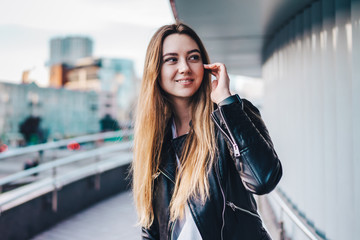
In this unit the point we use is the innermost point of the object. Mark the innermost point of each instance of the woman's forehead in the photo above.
(179, 43)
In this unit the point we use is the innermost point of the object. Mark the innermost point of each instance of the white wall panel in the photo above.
(312, 107)
(343, 120)
(355, 23)
(329, 121)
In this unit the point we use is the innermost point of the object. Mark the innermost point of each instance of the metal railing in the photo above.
(295, 217)
(55, 181)
(65, 142)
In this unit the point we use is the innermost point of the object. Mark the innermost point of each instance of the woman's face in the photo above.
(182, 68)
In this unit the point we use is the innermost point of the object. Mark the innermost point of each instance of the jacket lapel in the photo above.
(168, 165)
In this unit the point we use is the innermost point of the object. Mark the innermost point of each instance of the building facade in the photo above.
(63, 113)
(113, 79)
(67, 50)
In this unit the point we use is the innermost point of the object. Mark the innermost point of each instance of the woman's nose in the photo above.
(184, 67)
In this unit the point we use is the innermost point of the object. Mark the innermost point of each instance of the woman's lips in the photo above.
(185, 80)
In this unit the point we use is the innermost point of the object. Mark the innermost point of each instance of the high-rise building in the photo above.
(72, 67)
(66, 50)
(113, 78)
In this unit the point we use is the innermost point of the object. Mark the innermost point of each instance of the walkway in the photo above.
(115, 219)
(111, 219)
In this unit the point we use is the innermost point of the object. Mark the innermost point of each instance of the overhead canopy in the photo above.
(235, 31)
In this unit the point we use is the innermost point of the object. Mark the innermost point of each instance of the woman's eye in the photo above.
(170, 60)
(194, 57)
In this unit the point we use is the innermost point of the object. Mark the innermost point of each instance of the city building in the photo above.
(67, 50)
(83, 91)
(113, 79)
(57, 77)
(63, 113)
(73, 67)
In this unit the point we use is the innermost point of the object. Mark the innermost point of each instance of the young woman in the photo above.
(199, 153)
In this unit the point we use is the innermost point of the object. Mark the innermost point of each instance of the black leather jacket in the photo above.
(244, 149)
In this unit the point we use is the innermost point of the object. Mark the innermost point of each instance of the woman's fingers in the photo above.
(212, 68)
(219, 71)
(216, 69)
(220, 86)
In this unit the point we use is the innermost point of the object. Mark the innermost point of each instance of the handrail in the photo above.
(55, 181)
(28, 192)
(308, 230)
(64, 142)
(66, 160)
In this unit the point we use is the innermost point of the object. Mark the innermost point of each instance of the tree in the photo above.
(31, 131)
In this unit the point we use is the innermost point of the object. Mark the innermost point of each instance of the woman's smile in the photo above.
(185, 81)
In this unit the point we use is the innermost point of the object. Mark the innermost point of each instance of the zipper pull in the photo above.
(156, 175)
(230, 204)
(236, 150)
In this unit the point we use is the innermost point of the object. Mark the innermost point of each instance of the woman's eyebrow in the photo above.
(194, 50)
(175, 54)
(171, 54)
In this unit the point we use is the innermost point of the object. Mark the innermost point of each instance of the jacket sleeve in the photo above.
(249, 143)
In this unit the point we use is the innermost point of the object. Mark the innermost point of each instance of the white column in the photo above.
(344, 121)
(317, 119)
(299, 108)
(355, 21)
(307, 140)
(329, 120)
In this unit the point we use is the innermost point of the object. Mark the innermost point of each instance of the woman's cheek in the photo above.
(200, 70)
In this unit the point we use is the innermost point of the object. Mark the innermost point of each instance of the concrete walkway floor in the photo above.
(111, 219)
(115, 218)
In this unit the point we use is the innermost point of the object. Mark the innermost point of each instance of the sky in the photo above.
(119, 29)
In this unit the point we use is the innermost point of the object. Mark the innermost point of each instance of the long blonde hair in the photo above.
(152, 116)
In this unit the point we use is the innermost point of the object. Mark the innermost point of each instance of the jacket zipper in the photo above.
(172, 230)
(171, 224)
(229, 137)
(233, 207)
(236, 148)
(223, 195)
(167, 176)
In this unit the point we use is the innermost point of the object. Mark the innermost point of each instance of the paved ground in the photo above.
(115, 218)
(111, 219)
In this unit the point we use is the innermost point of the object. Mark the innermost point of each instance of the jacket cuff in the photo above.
(230, 100)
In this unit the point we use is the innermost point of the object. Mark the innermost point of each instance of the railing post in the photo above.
(41, 156)
(282, 231)
(295, 217)
(54, 202)
(54, 154)
(97, 176)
